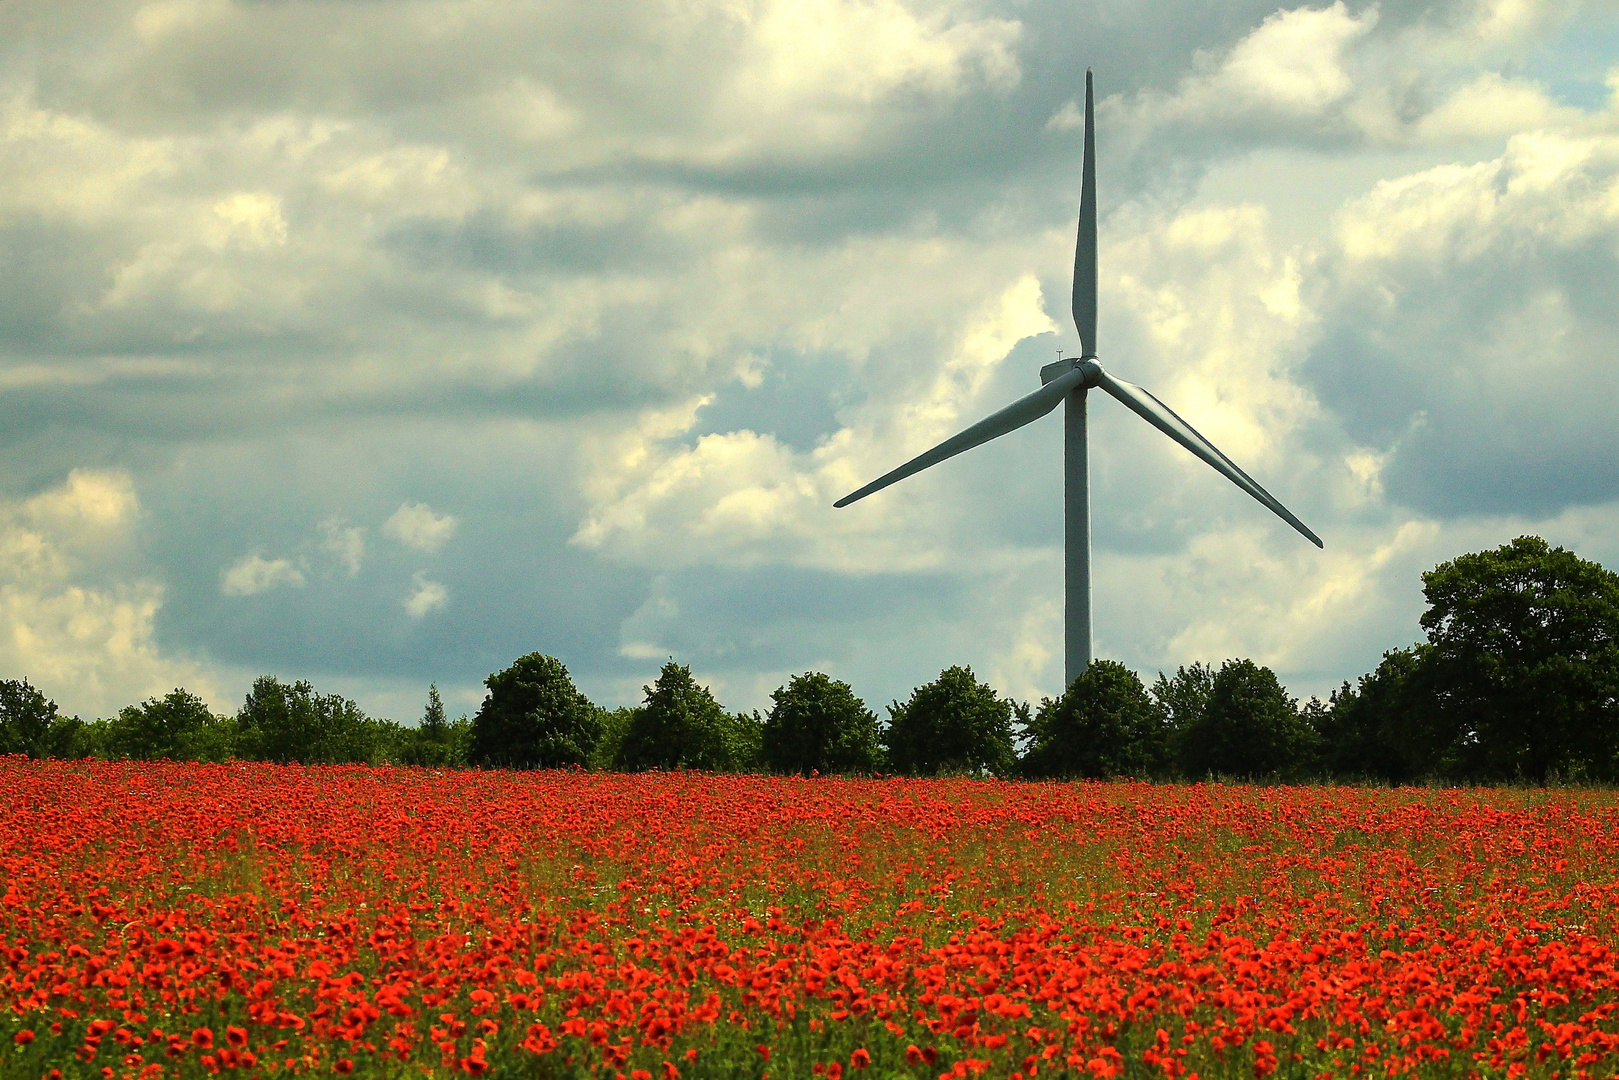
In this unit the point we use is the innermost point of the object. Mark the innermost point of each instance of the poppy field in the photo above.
(183, 920)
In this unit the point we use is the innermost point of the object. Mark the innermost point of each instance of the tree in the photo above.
(1523, 656)
(533, 718)
(1384, 727)
(954, 724)
(615, 728)
(171, 728)
(290, 722)
(1184, 699)
(26, 719)
(433, 725)
(430, 743)
(1103, 725)
(1250, 727)
(681, 726)
(816, 724)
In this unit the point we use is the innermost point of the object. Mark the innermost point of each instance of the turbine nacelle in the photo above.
(1092, 371)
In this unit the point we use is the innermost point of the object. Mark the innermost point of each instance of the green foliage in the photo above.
(1384, 727)
(434, 743)
(745, 742)
(1184, 699)
(433, 726)
(1103, 725)
(954, 724)
(176, 727)
(290, 722)
(615, 725)
(1522, 661)
(1249, 728)
(816, 724)
(534, 718)
(681, 726)
(26, 719)
(74, 739)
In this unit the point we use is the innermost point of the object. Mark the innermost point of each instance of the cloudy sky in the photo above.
(379, 343)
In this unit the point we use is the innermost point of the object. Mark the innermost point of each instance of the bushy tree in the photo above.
(1384, 727)
(26, 719)
(615, 727)
(954, 724)
(534, 717)
(290, 722)
(176, 727)
(681, 726)
(1103, 725)
(432, 742)
(817, 724)
(1249, 728)
(1523, 658)
(1183, 698)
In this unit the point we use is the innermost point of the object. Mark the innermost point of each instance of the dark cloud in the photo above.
(294, 261)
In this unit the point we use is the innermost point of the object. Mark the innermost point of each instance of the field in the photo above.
(188, 920)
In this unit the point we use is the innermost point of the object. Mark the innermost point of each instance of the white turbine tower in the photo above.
(1066, 381)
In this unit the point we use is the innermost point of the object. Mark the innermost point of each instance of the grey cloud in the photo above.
(510, 230)
(1483, 360)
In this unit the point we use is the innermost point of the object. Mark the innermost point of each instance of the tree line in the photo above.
(1517, 680)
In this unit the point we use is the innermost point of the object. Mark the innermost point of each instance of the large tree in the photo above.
(817, 724)
(1249, 728)
(175, 727)
(681, 726)
(26, 719)
(533, 718)
(1385, 726)
(1103, 725)
(954, 724)
(1184, 698)
(1523, 655)
(291, 722)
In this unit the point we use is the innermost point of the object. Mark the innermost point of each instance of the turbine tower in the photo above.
(1066, 382)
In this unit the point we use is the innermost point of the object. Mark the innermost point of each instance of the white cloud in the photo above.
(826, 62)
(729, 259)
(346, 543)
(254, 574)
(70, 620)
(416, 526)
(426, 596)
(1351, 76)
(743, 498)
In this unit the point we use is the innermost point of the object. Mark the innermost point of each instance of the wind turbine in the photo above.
(1066, 382)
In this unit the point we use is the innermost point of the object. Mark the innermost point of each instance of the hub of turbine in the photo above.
(1087, 364)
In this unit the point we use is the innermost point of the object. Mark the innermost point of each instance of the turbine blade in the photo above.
(1025, 410)
(1085, 248)
(1164, 418)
